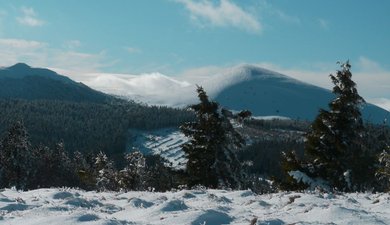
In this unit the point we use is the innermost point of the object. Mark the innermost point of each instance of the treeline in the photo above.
(26, 166)
(86, 127)
(336, 152)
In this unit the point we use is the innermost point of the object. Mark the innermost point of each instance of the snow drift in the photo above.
(190, 207)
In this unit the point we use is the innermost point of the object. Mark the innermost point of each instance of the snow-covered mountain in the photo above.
(262, 91)
(265, 92)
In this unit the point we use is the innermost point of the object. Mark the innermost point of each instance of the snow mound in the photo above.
(63, 195)
(140, 203)
(213, 217)
(174, 205)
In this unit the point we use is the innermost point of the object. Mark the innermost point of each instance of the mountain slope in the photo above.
(24, 82)
(266, 92)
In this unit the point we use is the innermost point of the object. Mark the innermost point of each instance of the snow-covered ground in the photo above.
(192, 207)
(164, 142)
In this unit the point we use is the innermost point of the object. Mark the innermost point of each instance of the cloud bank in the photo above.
(159, 89)
(41, 54)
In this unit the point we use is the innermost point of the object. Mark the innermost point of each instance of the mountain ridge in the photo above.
(262, 91)
(24, 82)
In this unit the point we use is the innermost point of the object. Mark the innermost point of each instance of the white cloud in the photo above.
(152, 88)
(41, 54)
(20, 44)
(224, 14)
(381, 102)
(20, 50)
(29, 18)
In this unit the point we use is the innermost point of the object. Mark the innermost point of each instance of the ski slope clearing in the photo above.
(192, 207)
(164, 142)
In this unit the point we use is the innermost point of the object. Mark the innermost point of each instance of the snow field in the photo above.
(192, 207)
(164, 142)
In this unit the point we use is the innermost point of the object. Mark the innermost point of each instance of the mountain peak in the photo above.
(19, 66)
(22, 70)
(25, 82)
(255, 71)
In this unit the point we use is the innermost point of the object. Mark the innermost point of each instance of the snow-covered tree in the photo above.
(84, 171)
(334, 145)
(16, 158)
(383, 173)
(211, 150)
(106, 174)
(132, 177)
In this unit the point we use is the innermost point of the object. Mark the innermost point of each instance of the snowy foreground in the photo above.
(211, 207)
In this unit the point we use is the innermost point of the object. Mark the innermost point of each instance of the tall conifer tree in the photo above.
(335, 142)
(211, 151)
(17, 163)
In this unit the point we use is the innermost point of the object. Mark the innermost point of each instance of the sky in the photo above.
(303, 39)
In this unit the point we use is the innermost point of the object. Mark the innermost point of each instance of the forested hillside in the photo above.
(84, 126)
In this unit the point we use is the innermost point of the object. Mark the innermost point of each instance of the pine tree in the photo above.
(334, 144)
(106, 175)
(16, 158)
(55, 168)
(159, 176)
(383, 172)
(84, 170)
(211, 151)
(132, 177)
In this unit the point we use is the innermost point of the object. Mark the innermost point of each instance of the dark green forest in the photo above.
(86, 127)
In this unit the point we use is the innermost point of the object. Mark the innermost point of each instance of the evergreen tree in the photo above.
(106, 175)
(290, 163)
(158, 175)
(55, 168)
(16, 158)
(383, 172)
(211, 150)
(334, 145)
(132, 177)
(84, 170)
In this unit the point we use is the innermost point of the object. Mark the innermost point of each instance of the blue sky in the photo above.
(301, 38)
